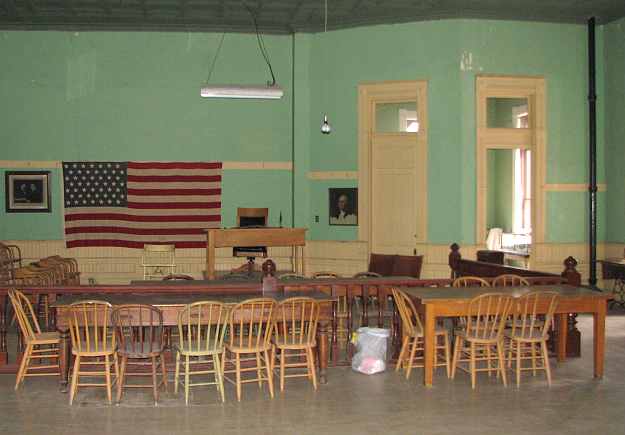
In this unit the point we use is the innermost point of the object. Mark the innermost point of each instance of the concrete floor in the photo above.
(349, 404)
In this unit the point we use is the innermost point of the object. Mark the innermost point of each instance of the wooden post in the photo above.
(454, 258)
(210, 255)
(3, 330)
(572, 335)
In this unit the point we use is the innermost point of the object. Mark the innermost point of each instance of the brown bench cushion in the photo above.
(382, 264)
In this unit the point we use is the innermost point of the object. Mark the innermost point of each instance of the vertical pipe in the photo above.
(293, 129)
(592, 153)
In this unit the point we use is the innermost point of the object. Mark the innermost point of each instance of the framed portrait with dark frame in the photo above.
(343, 206)
(27, 191)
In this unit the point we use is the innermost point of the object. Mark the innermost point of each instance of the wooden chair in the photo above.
(250, 329)
(470, 281)
(413, 337)
(38, 345)
(530, 332)
(158, 261)
(295, 337)
(343, 330)
(483, 335)
(325, 275)
(201, 329)
(291, 277)
(93, 344)
(509, 280)
(139, 333)
(364, 275)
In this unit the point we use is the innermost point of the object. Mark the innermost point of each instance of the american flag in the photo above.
(128, 204)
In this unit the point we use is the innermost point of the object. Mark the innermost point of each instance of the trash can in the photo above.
(371, 346)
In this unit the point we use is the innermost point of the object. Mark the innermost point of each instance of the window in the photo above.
(522, 206)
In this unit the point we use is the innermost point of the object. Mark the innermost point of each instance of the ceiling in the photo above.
(284, 16)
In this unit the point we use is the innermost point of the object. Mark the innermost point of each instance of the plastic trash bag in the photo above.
(371, 344)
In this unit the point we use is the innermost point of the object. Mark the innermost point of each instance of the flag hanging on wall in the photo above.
(128, 204)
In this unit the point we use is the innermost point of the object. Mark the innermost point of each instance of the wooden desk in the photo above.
(219, 238)
(614, 268)
(171, 305)
(433, 303)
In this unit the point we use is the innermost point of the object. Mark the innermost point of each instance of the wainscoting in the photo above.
(120, 265)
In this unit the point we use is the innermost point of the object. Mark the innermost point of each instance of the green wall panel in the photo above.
(567, 217)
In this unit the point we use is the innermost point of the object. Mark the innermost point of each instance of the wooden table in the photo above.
(171, 305)
(224, 238)
(434, 303)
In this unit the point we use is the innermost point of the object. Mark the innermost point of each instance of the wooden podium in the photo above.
(218, 238)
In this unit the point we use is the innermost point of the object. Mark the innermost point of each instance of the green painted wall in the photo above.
(449, 54)
(615, 129)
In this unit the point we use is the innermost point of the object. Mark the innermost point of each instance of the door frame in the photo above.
(369, 94)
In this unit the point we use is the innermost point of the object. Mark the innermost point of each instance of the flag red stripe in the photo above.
(172, 178)
(129, 244)
(174, 165)
(137, 218)
(179, 192)
(136, 231)
(172, 205)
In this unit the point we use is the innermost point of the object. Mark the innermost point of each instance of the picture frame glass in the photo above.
(27, 191)
(343, 206)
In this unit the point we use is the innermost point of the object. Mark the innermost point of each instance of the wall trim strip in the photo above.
(50, 164)
(573, 187)
(332, 175)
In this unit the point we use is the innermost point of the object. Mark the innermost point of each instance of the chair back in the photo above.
(411, 322)
(363, 275)
(526, 322)
(325, 275)
(202, 326)
(25, 314)
(158, 260)
(486, 316)
(236, 277)
(509, 280)
(138, 328)
(251, 323)
(90, 326)
(291, 277)
(470, 281)
(296, 321)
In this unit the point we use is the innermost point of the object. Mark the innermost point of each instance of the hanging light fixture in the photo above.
(270, 91)
(326, 128)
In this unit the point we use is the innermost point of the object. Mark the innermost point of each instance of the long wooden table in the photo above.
(224, 238)
(171, 305)
(434, 303)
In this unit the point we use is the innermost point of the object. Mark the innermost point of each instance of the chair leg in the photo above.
(74, 386)
(177, 373)
(311, 363)
(518, 363)
(282, 362)
(116, 365)
(187, 379)
(413, 351)
(472, 365)
(534, 357)
(502, 362)
(21, 373)
(107, 376)
(488, 360)
(219, 378)
(447, 360)
(457, 351)
(154, 381)
(259, 371)
(237, 370)
(543, 346)
(404, 347)
(121, 379)
(269, 377)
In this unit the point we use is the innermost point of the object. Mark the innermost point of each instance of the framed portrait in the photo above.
(27, 191)
(343, 206)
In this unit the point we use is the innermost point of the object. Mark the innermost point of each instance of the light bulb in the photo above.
(325, 126)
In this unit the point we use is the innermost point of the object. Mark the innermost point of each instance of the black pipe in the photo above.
(592, 153)
(293, 130)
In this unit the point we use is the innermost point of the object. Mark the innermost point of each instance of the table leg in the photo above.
(430, 343)
(65, 356)
(365, 305)
(563, 325)
(4, 355)
(381, 305)
(599, 337)
(322, 347)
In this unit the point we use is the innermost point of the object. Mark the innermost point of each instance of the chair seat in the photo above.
(439, 330)
(248, 349)
(534, 336)
(141, 350)
(483, 338)
(93, 351)
(197, 352)
(46, 338)
(286, 343)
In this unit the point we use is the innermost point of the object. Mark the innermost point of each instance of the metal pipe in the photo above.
(592, 153)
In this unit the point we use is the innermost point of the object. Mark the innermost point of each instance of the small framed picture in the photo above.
(27, 191)
(343, 205)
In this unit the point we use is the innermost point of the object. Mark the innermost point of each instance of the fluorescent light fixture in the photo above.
(274, 92)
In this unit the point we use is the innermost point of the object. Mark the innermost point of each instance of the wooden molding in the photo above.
(573, 187)
(39, 164)
(332, 175)
(45, 164)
